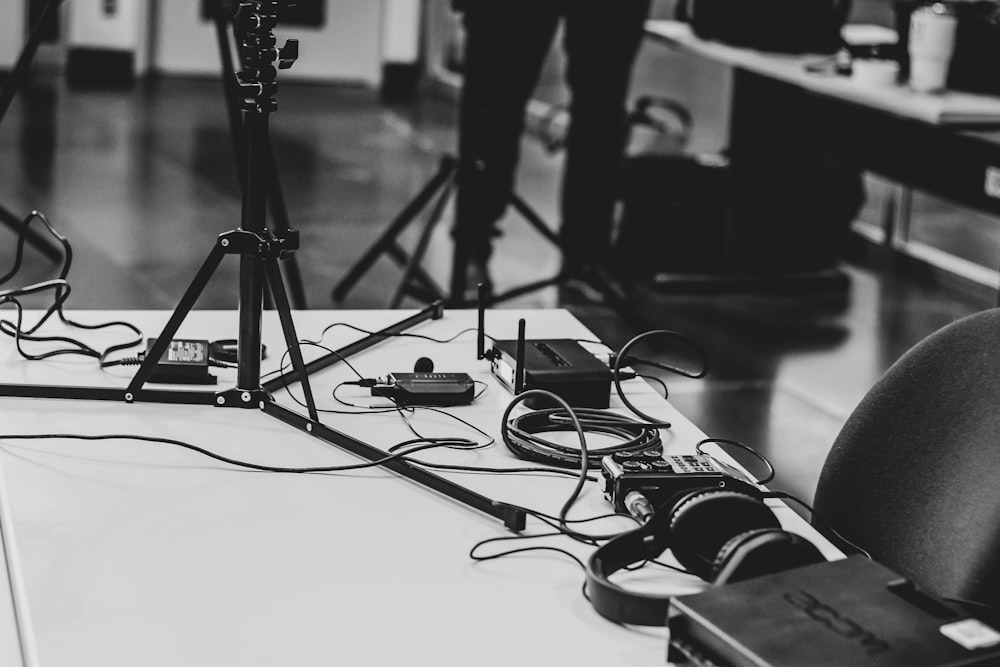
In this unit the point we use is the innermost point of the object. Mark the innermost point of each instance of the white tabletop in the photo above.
(128, 553)
(950, 107)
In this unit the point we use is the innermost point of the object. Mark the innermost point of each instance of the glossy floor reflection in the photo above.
(142, 181)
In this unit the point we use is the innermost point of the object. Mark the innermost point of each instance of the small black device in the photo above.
(660, 478)
(847, 612)
(558, 365)
(185, 361)
(437, 389)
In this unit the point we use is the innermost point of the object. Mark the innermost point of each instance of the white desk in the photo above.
(950, 107)
(130, 553)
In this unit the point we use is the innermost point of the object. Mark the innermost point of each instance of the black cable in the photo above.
(659, 381)
(623, 359)
(501, 471)
(825, 526)
(509, 552)
(467, 444)
(414, 446)
(401, 334)
(993, 611)
(373, 409)
(736, 443)
(553, 522)
(584, 454)
(61, 290)
(282, 367)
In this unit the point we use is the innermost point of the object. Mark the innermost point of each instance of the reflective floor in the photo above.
(142, 181)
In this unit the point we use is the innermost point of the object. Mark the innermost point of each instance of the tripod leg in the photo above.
(14, 83)
(421, 249)
(433, 311)
(229, 90)
(295, 282)
(279, 214)
(444, 176)
(20, 71)
(402, 258)
(288, 329)
(460, 259)
(534, 219)
(184, 307)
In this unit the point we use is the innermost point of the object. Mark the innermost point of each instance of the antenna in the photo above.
(481, 297)
(519, 361)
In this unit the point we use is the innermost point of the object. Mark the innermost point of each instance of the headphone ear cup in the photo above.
(762, 551)
(703, 521)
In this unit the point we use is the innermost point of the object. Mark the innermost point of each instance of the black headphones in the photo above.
(720, 535)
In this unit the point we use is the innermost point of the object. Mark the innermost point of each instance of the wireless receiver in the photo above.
(425, 387)
(559, 365)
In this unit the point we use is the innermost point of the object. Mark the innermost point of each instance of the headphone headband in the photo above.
(611, 600)
(720, 535)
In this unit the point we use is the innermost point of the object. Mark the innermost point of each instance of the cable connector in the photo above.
(638, 506)
(365, 382)
(127, 361)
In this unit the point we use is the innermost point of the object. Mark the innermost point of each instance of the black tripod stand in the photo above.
(7, 217)
(222, 12)
(259, 249)
(415, 281)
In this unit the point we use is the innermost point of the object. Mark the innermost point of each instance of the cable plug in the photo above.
(364, 382)
(127, 361)
(638, 506)
(625, 372)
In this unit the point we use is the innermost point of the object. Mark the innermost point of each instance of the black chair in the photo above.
(914, 476)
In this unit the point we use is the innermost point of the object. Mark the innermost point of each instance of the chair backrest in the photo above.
(914, 476)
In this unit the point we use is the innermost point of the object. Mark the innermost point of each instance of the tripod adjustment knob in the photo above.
(249, 19)
(288, 54)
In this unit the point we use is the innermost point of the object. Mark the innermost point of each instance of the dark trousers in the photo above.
(506, 45)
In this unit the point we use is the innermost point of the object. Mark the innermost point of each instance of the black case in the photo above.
(673, 214)
(847, 612)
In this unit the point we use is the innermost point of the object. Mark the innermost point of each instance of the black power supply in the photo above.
(185, 361)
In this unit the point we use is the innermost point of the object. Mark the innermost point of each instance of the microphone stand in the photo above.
(259, 250)
(20, 72)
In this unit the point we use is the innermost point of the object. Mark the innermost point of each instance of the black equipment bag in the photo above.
(673, 203)
(673, 215)
(787, 211)
(783, 26)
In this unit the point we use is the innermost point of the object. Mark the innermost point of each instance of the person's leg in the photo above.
(506, 44)
(601, 41)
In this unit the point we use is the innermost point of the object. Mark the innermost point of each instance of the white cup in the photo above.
(874, 72)
(932, 41)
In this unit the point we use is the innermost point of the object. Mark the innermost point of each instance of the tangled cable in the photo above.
(520, 434)
(60, 288)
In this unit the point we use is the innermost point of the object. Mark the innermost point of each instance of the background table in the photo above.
(133, 553)
(946, 145)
